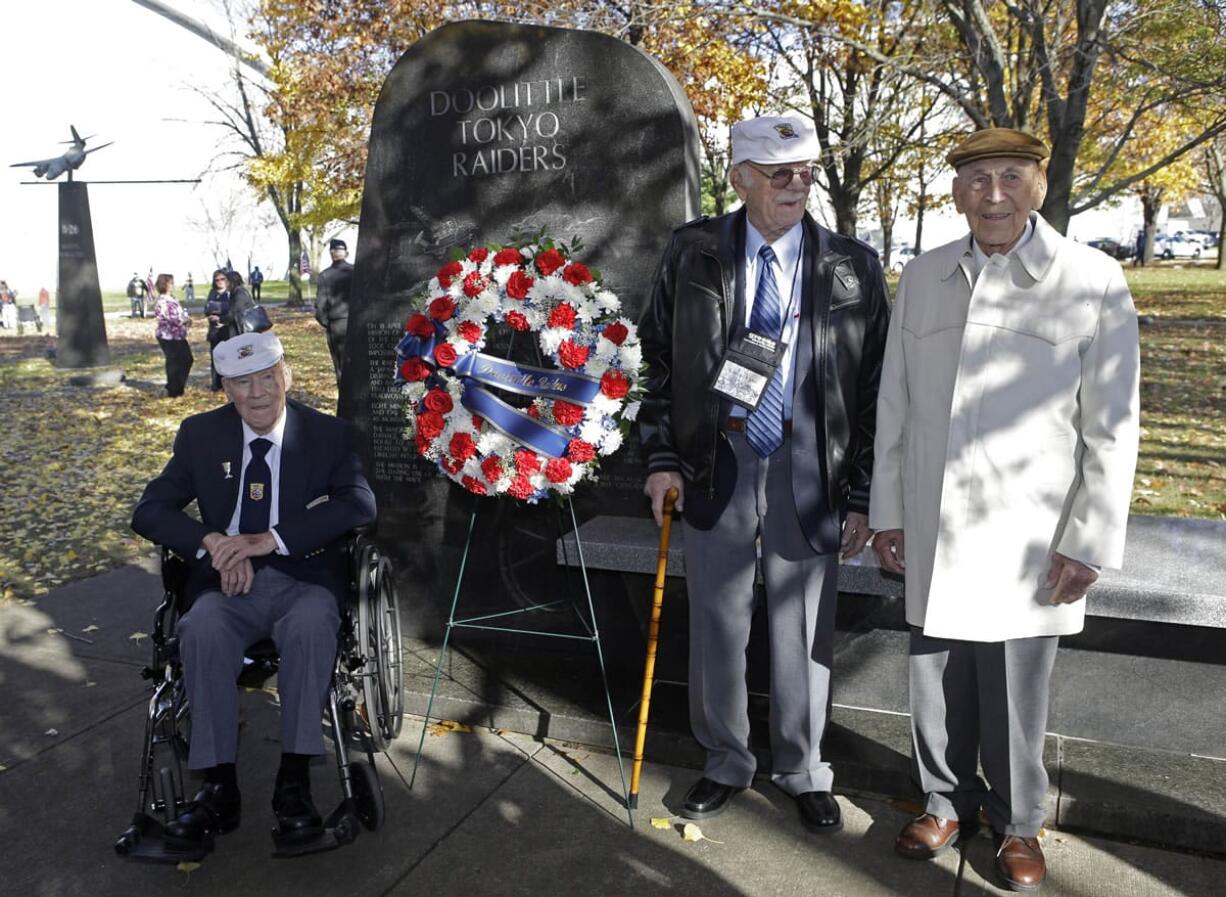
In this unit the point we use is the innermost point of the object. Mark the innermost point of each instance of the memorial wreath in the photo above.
(580, 409)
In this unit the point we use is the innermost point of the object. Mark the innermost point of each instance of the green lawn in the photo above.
(75, 460)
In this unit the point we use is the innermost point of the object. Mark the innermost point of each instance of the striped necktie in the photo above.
(764, 427)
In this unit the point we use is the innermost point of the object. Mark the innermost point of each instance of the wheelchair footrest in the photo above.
(144, 841)
(341, 828)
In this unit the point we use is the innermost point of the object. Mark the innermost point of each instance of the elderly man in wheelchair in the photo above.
(278, 488)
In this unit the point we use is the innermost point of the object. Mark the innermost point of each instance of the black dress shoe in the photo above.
(707, 799)
(214, 810)
(819, 811)
(295, 812)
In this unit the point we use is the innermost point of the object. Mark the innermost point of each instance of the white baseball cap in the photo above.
(773, 139)
(247, 353)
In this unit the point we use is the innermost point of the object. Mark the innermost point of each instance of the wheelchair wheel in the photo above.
(379, 645)
(368, 793)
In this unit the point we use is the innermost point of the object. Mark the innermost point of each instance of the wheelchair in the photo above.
(365, 709)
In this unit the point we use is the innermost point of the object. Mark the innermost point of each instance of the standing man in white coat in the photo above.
(1007, 428)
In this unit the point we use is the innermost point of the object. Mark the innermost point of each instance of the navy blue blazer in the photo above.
(322, 494)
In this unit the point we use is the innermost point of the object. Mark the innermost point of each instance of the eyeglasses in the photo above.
(782, 177)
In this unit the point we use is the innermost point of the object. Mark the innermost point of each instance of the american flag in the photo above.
(304, 265)
(149, 284)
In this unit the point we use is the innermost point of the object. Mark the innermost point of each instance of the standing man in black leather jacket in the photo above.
(763, 340)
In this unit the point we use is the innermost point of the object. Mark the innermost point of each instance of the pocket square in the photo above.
(317, 501)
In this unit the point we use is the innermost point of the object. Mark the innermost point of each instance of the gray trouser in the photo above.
(800, 600)
(301, 619)
(986, 702)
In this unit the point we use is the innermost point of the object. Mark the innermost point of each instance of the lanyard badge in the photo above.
(749, 363)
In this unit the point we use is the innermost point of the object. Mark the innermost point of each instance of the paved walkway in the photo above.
(491, 813)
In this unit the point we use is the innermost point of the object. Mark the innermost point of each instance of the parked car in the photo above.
(1113, 248)
(900, 256)
(1174, 246)
(1206, 238)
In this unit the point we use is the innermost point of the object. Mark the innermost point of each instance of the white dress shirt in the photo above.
(273, 459)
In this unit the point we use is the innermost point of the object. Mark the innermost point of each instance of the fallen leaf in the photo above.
(90, 628)
(90, 684)
(187, 867)
(443, 727)
(661, 822)
(137, 636)
(691, 832)
(52, 732)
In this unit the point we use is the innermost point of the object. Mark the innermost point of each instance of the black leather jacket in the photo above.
(698, 296)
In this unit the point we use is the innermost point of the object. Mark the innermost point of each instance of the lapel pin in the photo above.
(225, 467)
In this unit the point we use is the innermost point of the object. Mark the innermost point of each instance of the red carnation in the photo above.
(452, 465)
(577, 273)
(534, 412)
(518, 285)
(491, 468)
(579, 451)
(562, 316)
(462, 446)
(470, 330)
(423, 444)
(520, 488)
(474, 283)
(507, 256)
(478, 421)
(475, 486)
(438, 400)
(448, 273)
(478, 255)
(572, 355)
(517, 321)
(614, 384)
(567, 414)
(429, 424)
(414, 370)
(445, 354)
(419, 325)
(557, 470)
(442, 308)
(526, 462)
(549, 261)
(616, 333)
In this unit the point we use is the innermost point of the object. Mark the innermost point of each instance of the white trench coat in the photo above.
(1007, 428)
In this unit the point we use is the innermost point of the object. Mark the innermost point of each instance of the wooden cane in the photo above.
(653, 639)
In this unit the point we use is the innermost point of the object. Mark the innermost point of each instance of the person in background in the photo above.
(172, 323)
(189, 290)
(44, 307)
(332, 302)
(217, 310)
(8, 307)
(1138, 260)
(257, 281)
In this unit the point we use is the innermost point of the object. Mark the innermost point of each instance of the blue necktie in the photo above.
(257, 490)
(764, 427)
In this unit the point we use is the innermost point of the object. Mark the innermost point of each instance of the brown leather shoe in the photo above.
(1020, 862)
(927, 836)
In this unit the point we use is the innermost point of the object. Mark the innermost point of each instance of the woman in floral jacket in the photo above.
(172, 323)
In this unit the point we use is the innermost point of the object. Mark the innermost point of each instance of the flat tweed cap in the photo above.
(774, 139)
(247, 353)
(992, 142)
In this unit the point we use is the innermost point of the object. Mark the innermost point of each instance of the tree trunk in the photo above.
(887, 242)
(1060, 168)
(295, 272)
(921, 204)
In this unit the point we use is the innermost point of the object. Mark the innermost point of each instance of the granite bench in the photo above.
(1174, 569)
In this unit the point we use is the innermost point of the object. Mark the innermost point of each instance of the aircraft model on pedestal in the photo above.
(69, 162)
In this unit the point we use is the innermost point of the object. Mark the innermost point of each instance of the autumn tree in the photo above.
(1214, 167)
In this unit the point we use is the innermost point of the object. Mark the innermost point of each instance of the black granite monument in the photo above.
(82, 331)
(488, 132)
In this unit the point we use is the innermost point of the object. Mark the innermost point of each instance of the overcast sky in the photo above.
(123, 73)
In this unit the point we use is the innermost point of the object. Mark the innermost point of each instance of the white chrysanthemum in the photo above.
(414, 391)
(605, 405)
(632, 411)
(551, 338)
(537, 318)
(472, 468)
(569, 293)
(631, 356)
(484, 305)
(467, 266)
(592, 431)
(503, 273)
(595, 366)
(455, 386)
(606, 351)
(611, 442)
(491, 442)
(608, 301)
(538, 480)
